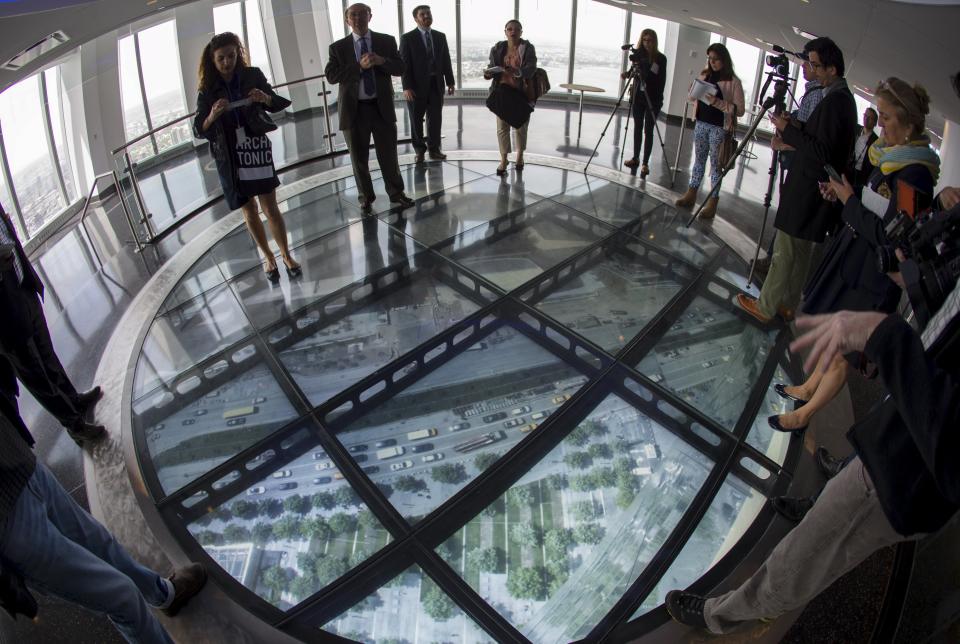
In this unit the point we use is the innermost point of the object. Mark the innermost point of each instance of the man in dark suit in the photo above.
(362, 64)
(426, 65)
(26, 350)
(862, 168)
(803, 216)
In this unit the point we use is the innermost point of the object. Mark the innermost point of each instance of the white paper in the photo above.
(702, 91)
(874, 202)
(243, 102)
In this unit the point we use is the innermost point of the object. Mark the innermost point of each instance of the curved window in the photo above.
(546, 23)
(598, 57)
(483, 22)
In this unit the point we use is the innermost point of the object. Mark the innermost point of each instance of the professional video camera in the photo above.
(780, 64)
(931, 244)
(639, 59)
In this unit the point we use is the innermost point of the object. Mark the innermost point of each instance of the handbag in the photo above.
(510, 104)
(257, 121)
(727, 148)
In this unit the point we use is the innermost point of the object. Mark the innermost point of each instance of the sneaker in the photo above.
(187, 582)
(791, 508)
(828, 464)
(686, 608)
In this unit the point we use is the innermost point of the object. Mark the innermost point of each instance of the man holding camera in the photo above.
(803, 217)
(903, 484)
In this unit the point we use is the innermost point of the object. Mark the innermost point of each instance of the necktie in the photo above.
(428, 41)
(368, 83)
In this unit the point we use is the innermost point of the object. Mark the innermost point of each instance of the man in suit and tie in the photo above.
(26, 350)
(426, 65)
(861, 157)
(362, 64)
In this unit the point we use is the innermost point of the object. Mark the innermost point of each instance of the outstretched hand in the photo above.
(834, 334)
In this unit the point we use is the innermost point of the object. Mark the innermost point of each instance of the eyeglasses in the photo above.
(884, 85)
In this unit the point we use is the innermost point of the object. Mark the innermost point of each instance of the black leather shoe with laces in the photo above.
(791, 508)
(828, 464)
(686, 608)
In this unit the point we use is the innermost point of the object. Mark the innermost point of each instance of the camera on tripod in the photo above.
(638, 55)
(779, 65)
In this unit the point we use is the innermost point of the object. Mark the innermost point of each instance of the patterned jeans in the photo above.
(706, 139)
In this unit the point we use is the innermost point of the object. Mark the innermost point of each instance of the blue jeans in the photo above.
(706, 142)
(61, 550)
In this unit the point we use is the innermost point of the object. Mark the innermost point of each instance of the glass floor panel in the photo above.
(768, 441)
(710, 358)
(556, 551)
(409, 608)
(440, 433)
(609, 202)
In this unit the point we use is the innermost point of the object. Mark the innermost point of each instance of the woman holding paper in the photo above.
(718, 95)
(229, 88)
(512, 62)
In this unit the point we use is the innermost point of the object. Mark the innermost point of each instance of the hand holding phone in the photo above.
(832, 173)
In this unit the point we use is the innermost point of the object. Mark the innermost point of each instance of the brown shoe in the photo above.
(419, 157)
(786, 314)
(688, 198)
(631, 163)
(751, 306)
(187, 582)
(710, 209)
(437, 154)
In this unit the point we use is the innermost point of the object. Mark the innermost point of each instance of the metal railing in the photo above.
(128, 185)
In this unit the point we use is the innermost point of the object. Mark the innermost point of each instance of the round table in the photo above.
(576, 87)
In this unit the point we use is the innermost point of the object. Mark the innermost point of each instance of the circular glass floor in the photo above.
(522, 409)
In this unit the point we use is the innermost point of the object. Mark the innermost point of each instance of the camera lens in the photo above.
(887, 261)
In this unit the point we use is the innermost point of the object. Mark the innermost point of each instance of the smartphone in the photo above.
(832, 173)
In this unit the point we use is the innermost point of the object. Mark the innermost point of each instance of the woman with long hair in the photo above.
(517, 59)
(230, 91)
(716, 116)
(848, 277)
(653, 76)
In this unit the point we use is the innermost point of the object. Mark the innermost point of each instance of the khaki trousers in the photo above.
(788, 272)
(503, 137)
(844, 527)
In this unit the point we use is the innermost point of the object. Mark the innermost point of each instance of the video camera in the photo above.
(639, 58)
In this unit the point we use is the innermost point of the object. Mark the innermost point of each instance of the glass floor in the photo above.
(523, 409)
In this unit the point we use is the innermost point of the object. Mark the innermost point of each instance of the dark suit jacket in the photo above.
(416, 69)
(826, 137)
(15, 326)
(861, 176)
(343, 69)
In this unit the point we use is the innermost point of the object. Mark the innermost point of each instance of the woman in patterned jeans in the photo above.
(716, 115)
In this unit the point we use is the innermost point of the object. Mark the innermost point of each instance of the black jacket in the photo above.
(15, 325)
(528, 65)
(416, 68)
(343, 69)
(909, 443)
(861, 176)
(222, 133)
(656, 81)
(826, 137)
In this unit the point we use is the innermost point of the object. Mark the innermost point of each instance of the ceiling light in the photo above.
(712, 23)
(36, 50)
(863, 90)
(805, 34)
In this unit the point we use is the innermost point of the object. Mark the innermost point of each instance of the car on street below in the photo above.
(492, 418)
(371, 469)
(513, 422)
(425, 447)
(529, 428)
(233, 422)
(200, 412)
(189, 421)
(322, 480)
(436, 456)
(289, 485)
(357, 448)
(386, 442)
(402, 465)
(282, 474)
(259, 399)
(256, 490)
(516, 411)
(562, 398)
(456, 427)
(360, 458)
(324, 465)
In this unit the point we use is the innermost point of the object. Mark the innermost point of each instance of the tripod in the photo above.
(638, 79)
(776, 100)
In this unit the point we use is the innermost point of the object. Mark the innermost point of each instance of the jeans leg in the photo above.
(53, 563)
(701, 148)
(716, 140)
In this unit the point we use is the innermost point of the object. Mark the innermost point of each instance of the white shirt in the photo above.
(860, 149)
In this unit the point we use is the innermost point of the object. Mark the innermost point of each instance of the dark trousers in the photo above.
(37, 366)
(643, 122)
(366, 122)
(430, 105)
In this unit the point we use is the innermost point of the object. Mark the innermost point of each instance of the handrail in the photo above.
(149, 133)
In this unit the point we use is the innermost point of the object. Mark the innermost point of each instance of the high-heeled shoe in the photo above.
(781, 390)
(519, 166)
(294, 272)
(644, 171)
(774, 422)
(273, 275)
(502, 170)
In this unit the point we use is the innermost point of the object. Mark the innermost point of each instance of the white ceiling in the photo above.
(880, 38)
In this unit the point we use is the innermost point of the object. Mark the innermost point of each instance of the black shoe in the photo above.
(402, 200)
(187, 582)
(419, 157)
(273, 275)
(686, 608)
(437, 154)
(828, 464)
(791, 508)
(295, 272)
(501, 170)
(83, 432)
(366, 204)
(775, 423)
(781, 389)
(88, 399)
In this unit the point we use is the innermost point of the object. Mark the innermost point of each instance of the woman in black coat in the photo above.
(653, 71)
(517, 59)
(848, 277)
(230, 93)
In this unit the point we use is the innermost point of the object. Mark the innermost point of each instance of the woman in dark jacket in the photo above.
(518, 60)
(653, 70)
(230, 91)
(848, 278)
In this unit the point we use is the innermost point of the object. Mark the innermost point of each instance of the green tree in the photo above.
(261, 533)
(289, 526)
(557, 481)
(235, 533)
(271, 508)
(324, 501)
(297, 504)
(621, 446)
(317, 528)
(357, 557)
(578, 460)
(589, 533)
(210, 538)
(605, 477)
(583, 483)
(307, 562)
(330, 568)
(600, 450)
(367, 520)
(435, 603)
(449, 473)
(409, 483)
(485, 459)
(276, 578)
(485, 559)
(525, 533)
(303, 586)
(345, 496)
(622, 466)
(595, 427)
(580, 436)
(521, 495)
(246, 509)
(342, 523)
(527, 583)
(557, 541)
(625, 496)
(583, 511)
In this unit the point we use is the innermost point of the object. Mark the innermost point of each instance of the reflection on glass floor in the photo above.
(516, 393)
